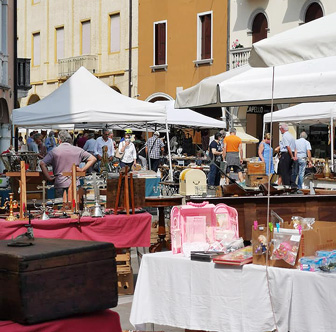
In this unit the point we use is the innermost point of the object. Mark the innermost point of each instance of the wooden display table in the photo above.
(250, 208)
(161, 203)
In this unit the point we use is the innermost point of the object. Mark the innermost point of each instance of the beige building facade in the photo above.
(59, 36)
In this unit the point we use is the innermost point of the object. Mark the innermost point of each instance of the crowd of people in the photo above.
(131, 150)
(294, 156)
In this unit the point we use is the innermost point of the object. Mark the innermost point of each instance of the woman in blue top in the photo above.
(264, 153)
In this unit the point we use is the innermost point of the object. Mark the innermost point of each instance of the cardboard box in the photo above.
(321, 237)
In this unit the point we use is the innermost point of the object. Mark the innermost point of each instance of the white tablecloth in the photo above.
(175, 291)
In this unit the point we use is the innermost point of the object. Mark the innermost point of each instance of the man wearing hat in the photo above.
(233, 152)
(154, 147)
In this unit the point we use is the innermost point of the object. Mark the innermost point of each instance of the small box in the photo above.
(256, 168)
(256, 180)
(56, 278)
(125, 283)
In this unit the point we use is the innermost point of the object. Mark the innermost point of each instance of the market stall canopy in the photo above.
(188, 117)
(84, 98)
(304, 113)
(305, 81)
(316, 39)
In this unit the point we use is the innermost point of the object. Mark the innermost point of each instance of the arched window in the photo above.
(259, 28)
(314, 11)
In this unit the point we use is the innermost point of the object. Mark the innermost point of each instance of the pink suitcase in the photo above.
(202, 222)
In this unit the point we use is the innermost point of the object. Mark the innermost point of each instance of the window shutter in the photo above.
(86, 37)
(115, 33)
(37, 49)
(160, 44)
(60, 43)
(206, 37)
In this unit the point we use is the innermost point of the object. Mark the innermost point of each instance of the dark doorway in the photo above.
(314, 11)
(259, 28)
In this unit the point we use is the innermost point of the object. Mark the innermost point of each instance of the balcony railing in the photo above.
(66, 67)
(23, 74)
(239, 57)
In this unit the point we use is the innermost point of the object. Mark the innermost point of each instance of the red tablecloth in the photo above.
(123, 231)
(103, 321)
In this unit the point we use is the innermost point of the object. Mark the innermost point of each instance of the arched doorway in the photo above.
(314, 11)
(259, 28)
(33, 99)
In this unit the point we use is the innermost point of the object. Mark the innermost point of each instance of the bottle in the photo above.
(326, 170)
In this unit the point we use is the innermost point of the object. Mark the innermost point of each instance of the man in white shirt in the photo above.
(287, 149)
(302, 155)
(101, 141)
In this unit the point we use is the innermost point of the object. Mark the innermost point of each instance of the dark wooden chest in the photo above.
(56, 278)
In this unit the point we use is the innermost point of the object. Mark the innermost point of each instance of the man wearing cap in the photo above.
(287, 149)
(233, 152)
(154, 147)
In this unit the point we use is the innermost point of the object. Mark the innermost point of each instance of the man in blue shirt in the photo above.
(301, 156)
(287, 149)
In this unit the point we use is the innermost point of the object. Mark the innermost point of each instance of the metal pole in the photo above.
(15, 74)
(149, 164)
(130, 51)
(169, 155)
(332, 140)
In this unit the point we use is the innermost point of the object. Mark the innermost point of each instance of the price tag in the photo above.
(295, 238)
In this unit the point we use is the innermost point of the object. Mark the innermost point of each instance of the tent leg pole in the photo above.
(169, 155)
(13, 135)
(149, 164)
(332, 142)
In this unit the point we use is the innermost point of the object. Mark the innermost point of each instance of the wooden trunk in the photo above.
(56, 278)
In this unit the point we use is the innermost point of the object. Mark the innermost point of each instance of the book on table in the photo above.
(239, 257)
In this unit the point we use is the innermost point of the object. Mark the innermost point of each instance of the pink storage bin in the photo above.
(188, 223)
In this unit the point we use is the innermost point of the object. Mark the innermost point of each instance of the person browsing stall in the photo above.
(287, 149)
(90, 144)
(127, 148)
(61, 159)
(154, 146)
(302, 155)
(215, 154)
(104, 140)
(233, 152)
(265, 152)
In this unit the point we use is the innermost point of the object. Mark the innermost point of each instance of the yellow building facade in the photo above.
(59, 36)
(180, 43)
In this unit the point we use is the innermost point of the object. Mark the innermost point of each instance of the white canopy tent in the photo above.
(82, 99)
(190, 118)
(306, 81)
(307, 113)
(85, 99)
(304, 113)
(316, 39)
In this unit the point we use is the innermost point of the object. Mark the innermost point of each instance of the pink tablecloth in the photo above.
(123, 231)
(103, 321)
